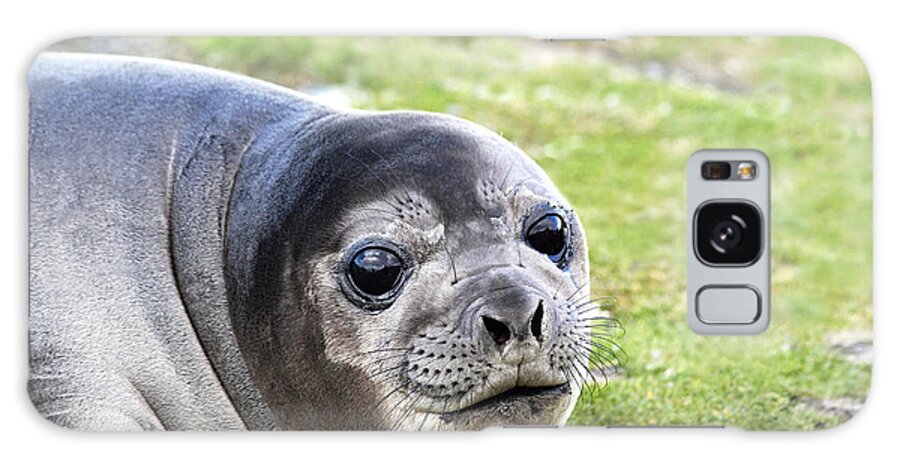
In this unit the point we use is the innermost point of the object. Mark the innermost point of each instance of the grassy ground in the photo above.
(613, 125)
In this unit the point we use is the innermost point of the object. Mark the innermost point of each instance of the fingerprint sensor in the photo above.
(726, 304)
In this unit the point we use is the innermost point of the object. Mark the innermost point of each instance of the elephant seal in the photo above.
(210, 251)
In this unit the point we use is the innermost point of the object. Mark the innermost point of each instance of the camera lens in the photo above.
(728, 233)
(716, 170)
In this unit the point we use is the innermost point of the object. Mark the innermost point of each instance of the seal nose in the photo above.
(500, 331)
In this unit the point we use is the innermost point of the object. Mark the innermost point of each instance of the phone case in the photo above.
(435, 233)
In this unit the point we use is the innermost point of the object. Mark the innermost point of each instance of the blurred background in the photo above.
(613, 124)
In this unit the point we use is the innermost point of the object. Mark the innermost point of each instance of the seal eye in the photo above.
(550, 236)
(375, 271)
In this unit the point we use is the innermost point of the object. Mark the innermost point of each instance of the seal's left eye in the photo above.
(549, 234)
(375, 271)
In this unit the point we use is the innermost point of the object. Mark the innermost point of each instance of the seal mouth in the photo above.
(512, 396)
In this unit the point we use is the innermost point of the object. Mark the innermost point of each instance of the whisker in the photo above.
(355, 356)
(407, 409)
(357, 184)
(452, 263)
(586, 359)
(577, 290)
(424, 418)
(384, 372)
(393, 172)
(577, 371)
(579, 301)
(515, 188)
(384, 398)
(366, 166)
(506, 177)
(599, 324)
(387, 349)
(600, 321)
(597, 318)
(558, 287)
(616, 361)
(570, 377)
(593, 303)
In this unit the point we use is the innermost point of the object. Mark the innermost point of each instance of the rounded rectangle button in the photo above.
(728, 304)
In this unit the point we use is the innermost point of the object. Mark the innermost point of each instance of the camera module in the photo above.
(728, 233)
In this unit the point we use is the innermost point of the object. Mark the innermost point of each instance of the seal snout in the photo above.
(501, 329)
(513, 326)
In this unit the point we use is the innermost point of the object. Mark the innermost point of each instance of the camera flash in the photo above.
(746, 170)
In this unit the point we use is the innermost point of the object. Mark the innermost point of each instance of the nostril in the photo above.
(498, 330)
(537, 320)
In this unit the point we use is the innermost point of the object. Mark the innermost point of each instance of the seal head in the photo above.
(406, 270)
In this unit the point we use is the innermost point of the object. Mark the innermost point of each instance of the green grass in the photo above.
(613, 124)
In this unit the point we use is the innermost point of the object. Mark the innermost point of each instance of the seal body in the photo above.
(210, 251)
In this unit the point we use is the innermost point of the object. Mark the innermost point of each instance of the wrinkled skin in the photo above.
(268, 198)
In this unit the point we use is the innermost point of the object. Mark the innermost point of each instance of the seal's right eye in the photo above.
(375, 272)
(549, 235)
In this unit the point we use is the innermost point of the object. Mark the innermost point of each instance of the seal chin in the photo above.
(518, 406)
(512, 405)
(534, 399)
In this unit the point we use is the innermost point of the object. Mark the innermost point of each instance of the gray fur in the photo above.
(187, 228)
